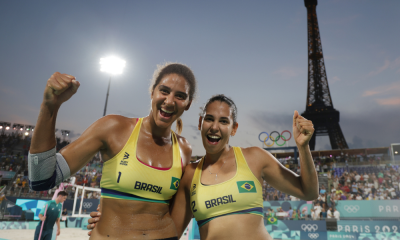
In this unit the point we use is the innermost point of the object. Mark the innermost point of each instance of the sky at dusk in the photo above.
(252, 51)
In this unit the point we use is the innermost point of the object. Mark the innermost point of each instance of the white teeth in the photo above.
(164, 110)
(213, 137)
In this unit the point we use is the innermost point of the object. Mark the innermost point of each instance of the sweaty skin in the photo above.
(220, 159)
(122, 219)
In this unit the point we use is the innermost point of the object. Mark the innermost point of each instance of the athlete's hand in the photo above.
(58, 232)
(92, 221)
(59, 88)
(42, 218)
(303, 129)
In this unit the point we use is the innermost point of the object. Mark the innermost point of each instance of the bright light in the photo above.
(1, 127)
(21, 129)
(7, 127)
(112, 65)
(26, 133)
(396, 152)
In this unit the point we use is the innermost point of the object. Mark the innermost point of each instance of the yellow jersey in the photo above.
(126, 177)
(241, 194)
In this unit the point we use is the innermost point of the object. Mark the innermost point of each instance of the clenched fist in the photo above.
(303, 129)
(59, 88)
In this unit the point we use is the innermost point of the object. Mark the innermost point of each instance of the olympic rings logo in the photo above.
(351, 208)
(313, 235)
(309, 227)
(274, 139)
(87, 205)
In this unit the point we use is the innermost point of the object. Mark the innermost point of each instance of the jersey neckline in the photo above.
(140, 121)
(201, 170)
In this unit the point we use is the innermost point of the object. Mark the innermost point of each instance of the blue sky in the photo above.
(252, 51)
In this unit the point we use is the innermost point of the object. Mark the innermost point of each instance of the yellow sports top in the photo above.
(241, 194)
(126, 177)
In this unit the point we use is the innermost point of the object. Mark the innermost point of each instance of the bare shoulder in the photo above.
(186, 149)
(257, 154)
(254, 152)
(189, 173)
(113, 123)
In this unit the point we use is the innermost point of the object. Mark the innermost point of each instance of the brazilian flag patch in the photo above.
(272, 220)
(246, 186)
(175, 183)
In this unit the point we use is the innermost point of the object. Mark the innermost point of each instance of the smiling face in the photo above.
(217, 126)
(169, 99)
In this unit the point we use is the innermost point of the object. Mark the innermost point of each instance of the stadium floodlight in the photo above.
(113, 66)
(26, 133)
(65, 132)
(395, 149)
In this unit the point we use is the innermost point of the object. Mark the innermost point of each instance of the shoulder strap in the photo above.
(240, 160)
(197, 172)
(176, 150)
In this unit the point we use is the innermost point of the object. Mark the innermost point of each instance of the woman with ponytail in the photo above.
(143, 158)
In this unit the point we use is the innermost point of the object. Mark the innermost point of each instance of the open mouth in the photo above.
(213, 139)
(165, 113)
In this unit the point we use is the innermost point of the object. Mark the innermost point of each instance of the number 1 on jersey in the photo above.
(119, 176)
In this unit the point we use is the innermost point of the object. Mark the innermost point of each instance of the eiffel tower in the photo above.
(319, 107)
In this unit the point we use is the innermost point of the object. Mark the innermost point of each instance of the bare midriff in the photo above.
(129, 219)
(235, 227)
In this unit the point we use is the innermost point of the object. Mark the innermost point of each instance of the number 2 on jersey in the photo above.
(193, 206)
(119, 176)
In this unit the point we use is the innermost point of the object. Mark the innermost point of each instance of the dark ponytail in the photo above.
(179, 125)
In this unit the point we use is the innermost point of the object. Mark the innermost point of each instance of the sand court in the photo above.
(27, 234)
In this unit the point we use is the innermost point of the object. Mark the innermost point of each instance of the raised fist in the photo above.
(59, 88)
(303, 129)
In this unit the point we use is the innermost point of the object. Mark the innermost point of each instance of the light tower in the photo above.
(113, 66)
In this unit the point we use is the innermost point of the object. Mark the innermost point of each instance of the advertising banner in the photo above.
(349, 226)
(78, 222)
(313, 235)
(341, 236)
(286, 205)
(89, 205)
(7, 175)
(369, 208)
(297, 225)
(316, 230)
(34, 205)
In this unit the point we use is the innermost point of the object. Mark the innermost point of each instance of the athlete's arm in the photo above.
(180, 207)
(59, 88)
(303, 186)
(58, 226)
(42, 218)
(104, 135)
